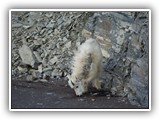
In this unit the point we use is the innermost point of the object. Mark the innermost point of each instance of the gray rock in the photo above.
(36, 74)
(43, 80)
(40, 68)
(49, 14)
(55, 74)
(120, 40)
(68, 45)
(53, 60)
(22, 69)
(47, 69)
(17, 25)
(47, 75)
(117, 48)
(38, 42)
(73, 35)
(65, 39)
(26, 55)
(51, 24)
(38, 57)
(29, 78)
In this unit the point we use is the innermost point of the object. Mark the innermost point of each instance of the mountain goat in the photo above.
(86, 67)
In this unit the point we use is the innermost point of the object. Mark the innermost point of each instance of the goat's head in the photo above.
(77, 85)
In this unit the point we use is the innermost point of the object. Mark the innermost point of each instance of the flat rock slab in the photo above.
(29, 95)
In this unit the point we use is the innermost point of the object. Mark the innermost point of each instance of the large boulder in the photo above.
(26, 55)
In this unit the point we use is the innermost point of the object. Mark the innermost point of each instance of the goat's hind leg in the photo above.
(96, 82)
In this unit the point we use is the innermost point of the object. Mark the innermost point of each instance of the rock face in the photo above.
(124, 40)
(139, 83)
(43, 44)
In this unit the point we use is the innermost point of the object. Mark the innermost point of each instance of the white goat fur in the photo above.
(86, 67)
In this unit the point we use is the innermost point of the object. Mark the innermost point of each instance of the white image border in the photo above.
(91, 10)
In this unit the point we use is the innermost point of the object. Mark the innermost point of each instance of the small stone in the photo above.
(43, 80)
(29, 78)
(38, 57)
(36, 74)
(39, 103)
(49, 14)
(47, 69)
(108, 97)
(42, 31)
(68, 45)
(93, 100)
(26, 26)
(127, 30)
(47, 74)
(59, 21)
(94, 94)
(65, 39)
(40, 68)
(73, 35)
(37, 42)
(44, 62)
(81, 99)
(45, 77)
(49, 93)
(16, 25)
(116, 48)
(55, 74)
(120, 40)
(53, 60)
(20, 76)
(119, 87)
(21, 69)
(50, 25)
(113, 90)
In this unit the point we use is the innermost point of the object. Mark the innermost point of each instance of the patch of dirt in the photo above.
(57, 94)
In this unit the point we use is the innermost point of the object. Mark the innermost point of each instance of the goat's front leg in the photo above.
(85, 84)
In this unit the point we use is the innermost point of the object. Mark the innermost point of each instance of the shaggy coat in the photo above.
(86, 67)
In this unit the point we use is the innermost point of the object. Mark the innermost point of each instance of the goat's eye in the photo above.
(76, 86)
